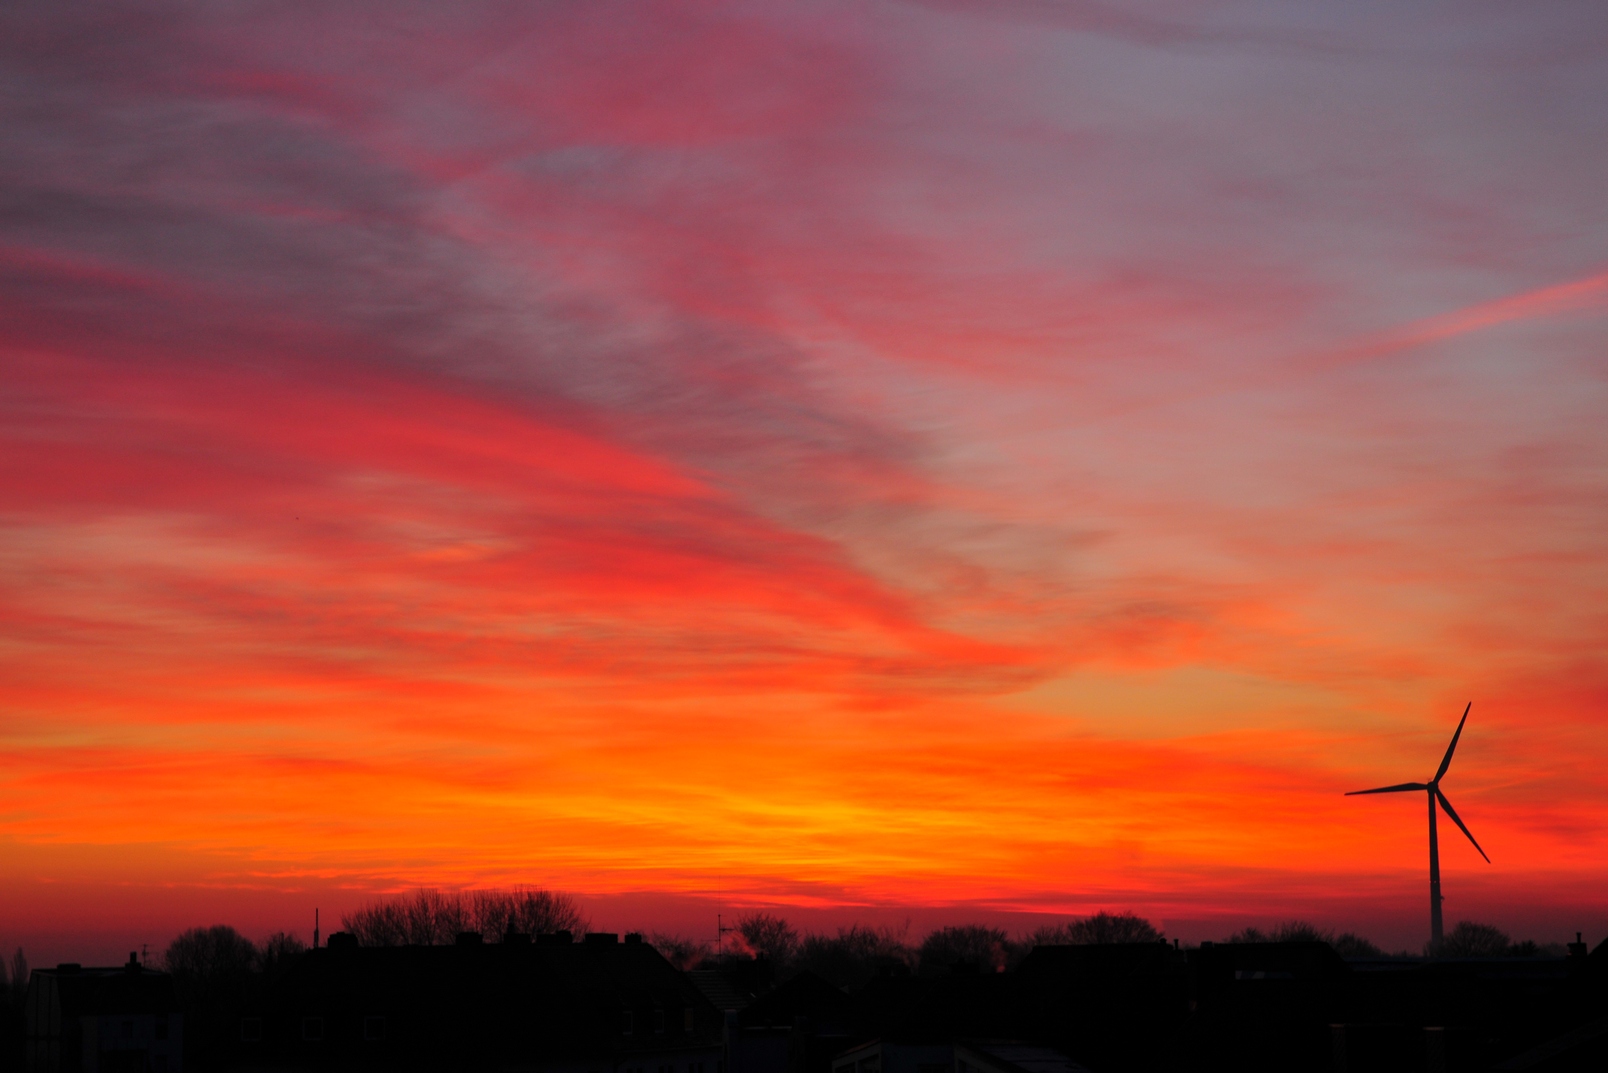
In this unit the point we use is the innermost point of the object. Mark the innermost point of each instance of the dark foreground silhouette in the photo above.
(598, 1004)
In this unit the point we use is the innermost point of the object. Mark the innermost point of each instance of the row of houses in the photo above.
(551, 1004)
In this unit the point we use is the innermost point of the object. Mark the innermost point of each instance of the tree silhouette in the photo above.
(1348, 945)
(1101, 928)
(854, 955)
(967, 946)
(529, 910)
(769, 936)
(429, 917)
(212, 978)
(207, 963)
(1470, 940)
(1351, 945)
(278, 952)
(1291, 931)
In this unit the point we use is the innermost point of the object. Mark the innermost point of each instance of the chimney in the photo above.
(1577, 949)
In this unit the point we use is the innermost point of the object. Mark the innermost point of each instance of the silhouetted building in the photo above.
(597, 1006)
(102, 1020)
(600, 1005)
(1112, 1006)
(726, 995)
(796, 1028)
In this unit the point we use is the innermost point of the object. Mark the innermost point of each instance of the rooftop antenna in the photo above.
(720, 936)
(1432, 788)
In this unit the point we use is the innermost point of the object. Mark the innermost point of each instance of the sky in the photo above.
(932, 461)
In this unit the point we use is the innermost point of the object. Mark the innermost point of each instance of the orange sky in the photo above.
(926, 459)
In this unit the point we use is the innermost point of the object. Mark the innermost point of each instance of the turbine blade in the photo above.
(1392, 789)
(1446, 761)
(1447, 805)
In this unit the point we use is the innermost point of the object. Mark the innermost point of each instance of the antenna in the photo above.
(720, 936)
(1432, 788)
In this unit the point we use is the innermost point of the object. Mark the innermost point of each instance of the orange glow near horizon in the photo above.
(898, 457)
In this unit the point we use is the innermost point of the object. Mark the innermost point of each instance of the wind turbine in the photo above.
(1432, 787)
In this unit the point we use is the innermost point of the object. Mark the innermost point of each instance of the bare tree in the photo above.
(425, 917)
(530, 910)
(967, 946)
(210, 965)
(1290, 931)
(433, 918)
(1101, 928)
(855, 954)
(769, 936)
(1299, 931)
(378, 924)
(278, 952)
(1469, 940)
(1351, 945)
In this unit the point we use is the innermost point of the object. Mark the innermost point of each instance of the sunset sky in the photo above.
(951, 460)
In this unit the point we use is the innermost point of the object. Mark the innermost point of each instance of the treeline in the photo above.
(854, 954)
(433, 917)
(1471, 940)
(1467, 940)
(217, 966)
(851, 955)
(217, 971)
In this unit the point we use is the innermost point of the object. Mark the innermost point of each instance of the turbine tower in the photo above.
(1432, 787)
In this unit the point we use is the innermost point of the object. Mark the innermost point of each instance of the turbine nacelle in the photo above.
(1433, 786)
